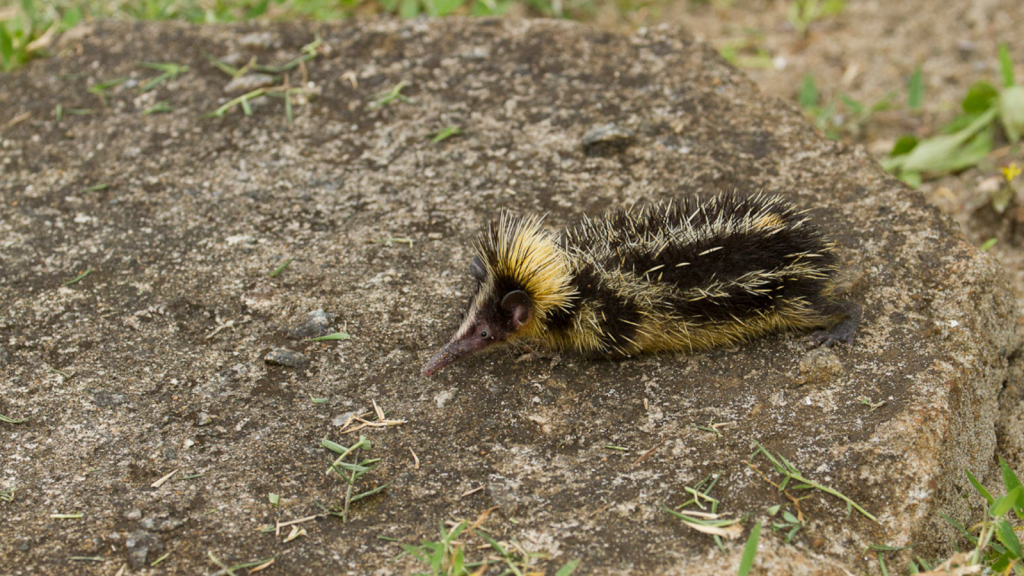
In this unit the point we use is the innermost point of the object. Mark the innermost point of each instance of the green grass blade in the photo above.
(332, 446)
(915, 90)
(78, 278)
(1012, 482)
(369, 492)
(808, 95)
(1006, 65)
(749, 551)
(494, 543)
(334, 336)
(974, 481)
(6, 48)
(280, 268)
(1005, 503)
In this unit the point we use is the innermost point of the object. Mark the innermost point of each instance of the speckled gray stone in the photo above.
(286, 357)
(143, 548)
(198, 211)
(316, 324)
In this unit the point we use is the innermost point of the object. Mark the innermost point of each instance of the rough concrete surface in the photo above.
(155, 361)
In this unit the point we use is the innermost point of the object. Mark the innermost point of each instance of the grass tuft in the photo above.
(801, 482)
(385, 98)
(168, 71)
(351, 471)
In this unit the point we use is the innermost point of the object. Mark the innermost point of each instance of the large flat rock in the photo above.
(183, 217)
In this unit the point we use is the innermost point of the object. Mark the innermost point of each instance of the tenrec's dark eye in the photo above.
(483, 334)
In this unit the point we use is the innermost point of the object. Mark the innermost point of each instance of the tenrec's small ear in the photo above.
(476, 268)
(518, 303)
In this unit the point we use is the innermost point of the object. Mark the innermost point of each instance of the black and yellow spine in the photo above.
(681, 276)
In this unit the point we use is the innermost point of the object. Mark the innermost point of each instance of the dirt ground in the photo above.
(154, 364)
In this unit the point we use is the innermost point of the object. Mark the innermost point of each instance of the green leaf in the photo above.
(257, 10)
(1012, 482)
(808, 95)
(856, 107)
(1009, 539)
(1000, 564)
(409, 8)
(912, 179)
(1004, 503)
(332, 446)
(7, 420)
(958, 123)
(773, 510)
(275, 500)
(1006, 65)
(904, 144)
(444, 7)
(950, 152)
(490, 7)
(1011, 112)
(980, 97)
(973, 152)
(6, 48)
(985, 247)
(915, 90)
(569, 568)
(832, 8)
(792, 532)
(749, 551)
(71, 17)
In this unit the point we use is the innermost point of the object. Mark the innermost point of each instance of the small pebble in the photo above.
(165, 525)
(106, 399)
(286, 357)
(204, 419)
(140, 544)
(607, 138)
(317, 323)
(133, 514)
(235, 59)
(258, 40)
(248, 83)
